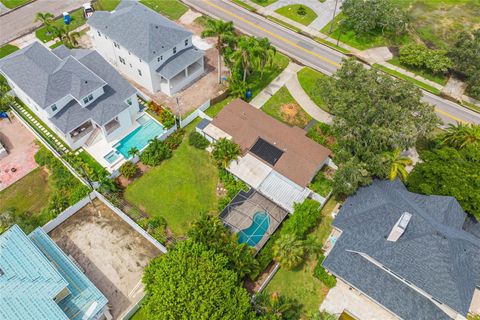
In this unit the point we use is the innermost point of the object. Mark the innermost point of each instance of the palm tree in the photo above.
(288, 251)
(278, 306)
(247, 50)
(225, 34)
(237, 87)
(398, 164)
(224, 151)
(266, 54)
(133, 152)
(45, 18)
(70, 38)
(460, 135)
(312, 245)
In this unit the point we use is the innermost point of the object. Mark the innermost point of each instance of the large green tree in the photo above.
(273, 306)
(374, 114)
(192, 282)
(288, 251)
(210, 231)
(450, 172)
(374, 16)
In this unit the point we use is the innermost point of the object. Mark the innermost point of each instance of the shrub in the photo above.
(155, 153)
(224, 151)
(321, 274)
(197, 140)
(305, 216)
(175, 139)
(419, 56)
(128, 169)
(164, 115)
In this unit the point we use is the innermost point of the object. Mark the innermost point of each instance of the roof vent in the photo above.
(399, 227)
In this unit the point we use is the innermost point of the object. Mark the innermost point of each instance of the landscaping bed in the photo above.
(77, 20)
(283, 107)
(299, 13)
(322, 182)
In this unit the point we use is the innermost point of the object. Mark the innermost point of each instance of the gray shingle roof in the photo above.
(434, 254)
(139, 29)
(173, 65)
(107, 106)
(45, 78)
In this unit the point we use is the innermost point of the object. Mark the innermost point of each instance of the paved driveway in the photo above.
(20, 22)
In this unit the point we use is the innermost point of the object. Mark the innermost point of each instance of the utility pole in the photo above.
(333, 18)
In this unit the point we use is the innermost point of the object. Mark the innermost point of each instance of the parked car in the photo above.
(87, 10)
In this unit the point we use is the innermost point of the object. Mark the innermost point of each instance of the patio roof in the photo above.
(250, 170)
(175, 64)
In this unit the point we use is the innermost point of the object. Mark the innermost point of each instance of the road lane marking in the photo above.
(293, 44)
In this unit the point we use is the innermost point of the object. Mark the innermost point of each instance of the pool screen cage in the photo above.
(239, 214)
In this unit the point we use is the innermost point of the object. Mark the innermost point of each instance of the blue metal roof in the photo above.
(85, 297)
(33, 271)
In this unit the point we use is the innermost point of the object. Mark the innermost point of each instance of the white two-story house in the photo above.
(146, 47)
(74, 92)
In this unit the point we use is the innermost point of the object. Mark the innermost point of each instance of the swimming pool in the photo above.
(253, 234)
(112, 156)
(140, 137)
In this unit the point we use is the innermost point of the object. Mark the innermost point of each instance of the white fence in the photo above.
(67, 213)
(194, 114)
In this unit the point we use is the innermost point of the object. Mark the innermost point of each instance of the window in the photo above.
(121, 60)
(139, 59)
(139, 72)
(99, 34)
(160, 58)
(106, 37)
(128, 52)
(54, 107)
(130, 65)
(186, 42)
(116, 45)
(174, 50)
(129, 101)
(88, 99)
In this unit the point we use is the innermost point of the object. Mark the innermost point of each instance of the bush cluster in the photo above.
(128, 169)
(165, 116)
(156, 227)
(155, 153)
(175, 139)
(421, 57)
(321, 274)
(197, 140)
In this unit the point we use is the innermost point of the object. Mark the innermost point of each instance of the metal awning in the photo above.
(174, 65)
(250, 170)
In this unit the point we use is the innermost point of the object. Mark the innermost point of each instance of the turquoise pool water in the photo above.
(253, 234)
(140, 137)
(112, 156)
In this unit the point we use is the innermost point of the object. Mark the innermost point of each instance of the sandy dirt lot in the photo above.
(112, 254)
(21, 146)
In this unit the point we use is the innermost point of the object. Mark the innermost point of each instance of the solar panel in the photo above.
(266, 151)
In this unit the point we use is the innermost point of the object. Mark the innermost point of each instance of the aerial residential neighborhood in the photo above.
(240, 159)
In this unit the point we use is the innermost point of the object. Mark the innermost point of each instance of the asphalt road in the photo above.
(309, 52)
(21, 21)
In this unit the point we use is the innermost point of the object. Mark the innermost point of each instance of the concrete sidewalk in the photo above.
(289, 72)
(297, 92)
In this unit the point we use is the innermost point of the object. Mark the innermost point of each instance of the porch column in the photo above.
(186, 72)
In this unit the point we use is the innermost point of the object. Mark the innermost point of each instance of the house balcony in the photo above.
(81, 131)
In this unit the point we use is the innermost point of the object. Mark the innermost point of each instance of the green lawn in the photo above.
(7, 49)
(283, 107)
(407, 78)
(77, 21)
(172, 9)
(434, 22)
(257, 82)
(309, 79)
(27, 194)
(179, 189)
(300, 284)
(321, 184)
(292, 12)
(106, 5)
(10, 4)
(244, 5)
(139, 315)
(213, 110)
(264, 3)
(438, 78)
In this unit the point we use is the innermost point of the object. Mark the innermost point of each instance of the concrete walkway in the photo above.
(290, 71)
(297, 92)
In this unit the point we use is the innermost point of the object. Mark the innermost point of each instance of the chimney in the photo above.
(399, 227)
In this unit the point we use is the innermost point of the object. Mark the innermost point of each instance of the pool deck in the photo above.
(239, 213)
(100, 147)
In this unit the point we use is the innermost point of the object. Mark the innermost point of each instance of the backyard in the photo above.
(299, 283)
(299, 13)
(433, 22)
(283, 107)
(179, 189)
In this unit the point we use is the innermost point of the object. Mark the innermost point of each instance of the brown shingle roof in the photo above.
(302, 157)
